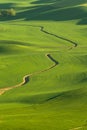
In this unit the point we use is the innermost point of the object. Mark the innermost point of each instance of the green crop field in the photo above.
(43, 64)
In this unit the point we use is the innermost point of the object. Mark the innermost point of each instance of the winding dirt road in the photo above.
(27, 77)
(42, 29)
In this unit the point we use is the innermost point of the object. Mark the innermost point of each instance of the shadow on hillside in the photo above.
(61, 3)
(8, 42)
(83, 21)
(49, 12)
(5, 5)
(43, 1)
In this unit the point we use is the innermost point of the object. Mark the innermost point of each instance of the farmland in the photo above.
(43, 65)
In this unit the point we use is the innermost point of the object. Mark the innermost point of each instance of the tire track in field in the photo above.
(27, 77)
(75, 44)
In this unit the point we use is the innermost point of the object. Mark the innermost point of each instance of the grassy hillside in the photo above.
(55, 95)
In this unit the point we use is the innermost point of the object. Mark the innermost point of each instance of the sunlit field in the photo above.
(43, 65)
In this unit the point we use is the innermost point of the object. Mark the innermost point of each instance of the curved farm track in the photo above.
(52, 34)
(27, 77)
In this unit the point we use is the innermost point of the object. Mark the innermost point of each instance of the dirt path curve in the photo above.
(52, 34)
(27, 77)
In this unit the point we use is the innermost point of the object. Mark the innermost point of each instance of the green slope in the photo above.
(57, 98)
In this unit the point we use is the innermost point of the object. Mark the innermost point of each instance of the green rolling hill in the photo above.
(43, 65)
